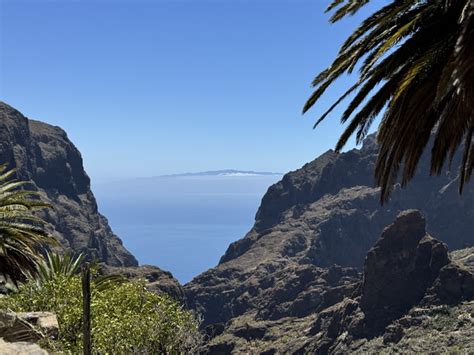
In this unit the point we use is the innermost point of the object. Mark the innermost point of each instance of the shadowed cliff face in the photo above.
(410, 298)
(326, 213)
(44, 155)
(345, 183)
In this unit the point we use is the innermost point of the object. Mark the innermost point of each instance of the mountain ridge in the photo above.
(44, 155)
(307, 248)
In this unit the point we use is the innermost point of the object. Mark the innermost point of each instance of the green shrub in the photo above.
(126, 318)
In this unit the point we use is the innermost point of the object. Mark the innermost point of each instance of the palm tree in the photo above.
(22, 234)
(415, 60)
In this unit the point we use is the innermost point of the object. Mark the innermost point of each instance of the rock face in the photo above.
(19, 332)
(28, 326)
(398, 270)
(327, 213)
(403, 274)
(46, 322)
(44, 155)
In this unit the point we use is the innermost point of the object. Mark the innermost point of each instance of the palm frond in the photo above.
(22, 234)
(417, 63)
(105, 282)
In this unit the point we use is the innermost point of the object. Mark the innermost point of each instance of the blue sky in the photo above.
(146, 88)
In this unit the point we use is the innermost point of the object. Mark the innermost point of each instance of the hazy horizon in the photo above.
(183, 86)
(182, 224)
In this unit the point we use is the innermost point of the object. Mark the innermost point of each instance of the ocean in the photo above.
(182, 224)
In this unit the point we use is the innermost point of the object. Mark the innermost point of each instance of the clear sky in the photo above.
(146, 88)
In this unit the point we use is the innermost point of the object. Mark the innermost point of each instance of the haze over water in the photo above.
(182, 224)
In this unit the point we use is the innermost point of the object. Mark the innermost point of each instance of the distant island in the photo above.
(228, 172)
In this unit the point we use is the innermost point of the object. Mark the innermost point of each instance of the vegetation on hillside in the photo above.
(416, 61)
(126, 318)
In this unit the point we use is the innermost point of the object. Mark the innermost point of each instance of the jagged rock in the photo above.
(383, 307)
(274, 291)
(20, 348)
(398, 270)
(405, 270)
(453, 285)
(43, 154)
(221, 348)
(464, 257)
(250, 332)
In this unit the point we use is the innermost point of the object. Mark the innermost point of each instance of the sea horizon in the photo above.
(182, 223)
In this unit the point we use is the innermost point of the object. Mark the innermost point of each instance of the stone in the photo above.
(15, 329)
(20, 348)
(250, 332)
(453, 285)
(46, 322)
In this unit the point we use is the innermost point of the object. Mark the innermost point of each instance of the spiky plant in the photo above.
(55, 264)
(63, 266)
(22, 234)
(416, 61)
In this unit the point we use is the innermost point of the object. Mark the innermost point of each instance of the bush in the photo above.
(126, 318)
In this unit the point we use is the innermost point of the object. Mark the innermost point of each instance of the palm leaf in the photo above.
(22, 234)
(417, 63)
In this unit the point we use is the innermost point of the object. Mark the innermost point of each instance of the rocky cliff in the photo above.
(413, 297)
(44, 155)
(306, 251)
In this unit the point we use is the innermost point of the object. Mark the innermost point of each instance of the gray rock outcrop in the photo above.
(19, 332)
(44, 155)
(403, 274)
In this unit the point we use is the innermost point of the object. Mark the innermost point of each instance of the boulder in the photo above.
(453, 285)
(15, 329)
(46, 322)
(20, 348)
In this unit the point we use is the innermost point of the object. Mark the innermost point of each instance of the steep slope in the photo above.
(324, 214)
(44, 155)
(412, 296)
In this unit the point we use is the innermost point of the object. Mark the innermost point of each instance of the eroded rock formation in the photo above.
(43, 154)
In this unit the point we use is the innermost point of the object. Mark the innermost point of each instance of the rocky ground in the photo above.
(412, 296)
(20, 333)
